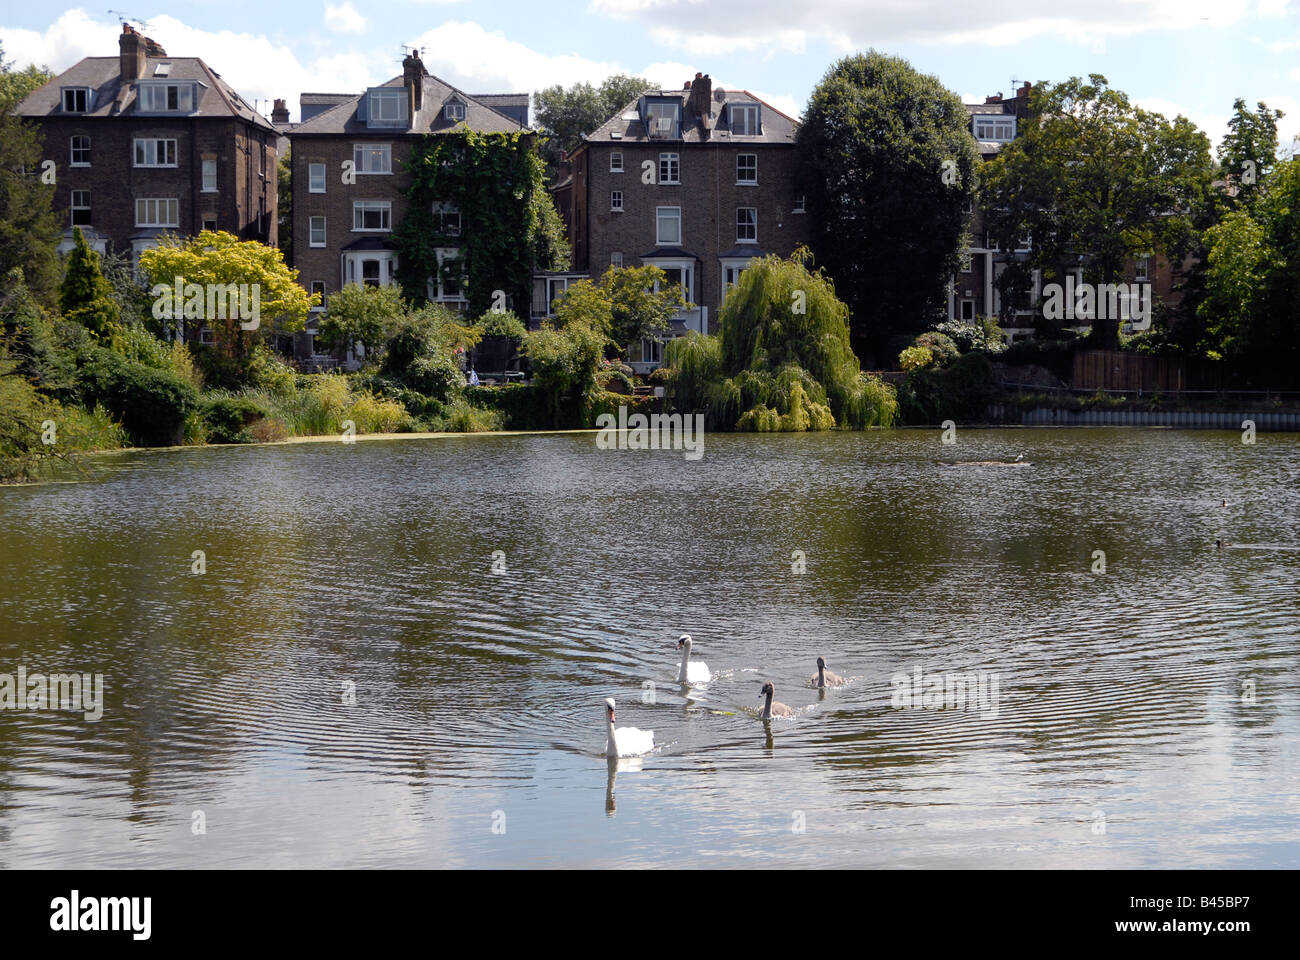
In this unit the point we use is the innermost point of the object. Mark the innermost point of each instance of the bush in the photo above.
(915, 358)
(962, 391)
(939, 344)
(151, 404)
(227, 418)
(502, 324)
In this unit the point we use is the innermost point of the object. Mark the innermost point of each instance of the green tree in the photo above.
(219, 261)
(1251, 312)
(782, 360)
(29, 232)
(1093, 176)
(362, 314)
(625, 305)
(889, 166)
(284, 205)
(15, 85)
(85, 296)
(1249, 149)
(566, 114)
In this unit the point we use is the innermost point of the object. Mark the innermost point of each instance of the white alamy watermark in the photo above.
(1097, 301)
(76, 913)
(969, 690)
(208, 301)
(658, 431)
(74, 692)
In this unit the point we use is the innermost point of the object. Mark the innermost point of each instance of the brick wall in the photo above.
(708, 196)
(115, 182)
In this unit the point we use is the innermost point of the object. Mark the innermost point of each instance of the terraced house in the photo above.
(349, 185)
(145, 144)
(696, 181)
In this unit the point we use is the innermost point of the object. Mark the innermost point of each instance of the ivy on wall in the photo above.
(509, 226)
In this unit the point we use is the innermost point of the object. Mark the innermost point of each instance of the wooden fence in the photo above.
(1135, 373)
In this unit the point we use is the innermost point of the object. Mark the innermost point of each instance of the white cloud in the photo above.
(780, 26)
(344, 18)
(258, 68)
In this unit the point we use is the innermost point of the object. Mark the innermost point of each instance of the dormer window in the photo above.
(387, 108)
(166, 97)
(662, 118)
(76, 99)
(454, 111)
(744, 120)
(996, 129)
(162, 69)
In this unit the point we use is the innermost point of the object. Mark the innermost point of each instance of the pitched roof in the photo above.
(626, 125)
(342, 116)
(112, 98)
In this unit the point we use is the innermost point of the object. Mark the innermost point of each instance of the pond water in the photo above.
(349, 682)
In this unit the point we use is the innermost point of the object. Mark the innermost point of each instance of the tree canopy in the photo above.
(889, 166)
(1095, 180)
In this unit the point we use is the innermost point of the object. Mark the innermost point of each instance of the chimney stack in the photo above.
(280, 112)
(413, 74)
(702, 95)
(131, 54)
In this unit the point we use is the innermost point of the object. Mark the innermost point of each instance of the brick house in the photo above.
(696, 181)
(974, 292)
(145, 144)
(343, 224)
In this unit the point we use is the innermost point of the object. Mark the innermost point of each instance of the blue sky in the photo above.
(1177, 56)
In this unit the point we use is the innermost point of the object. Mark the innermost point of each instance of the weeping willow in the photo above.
(781, 360)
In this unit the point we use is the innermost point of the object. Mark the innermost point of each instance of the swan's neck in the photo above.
(686, 659)
(767, 707)
(821, 676)
(611, 746)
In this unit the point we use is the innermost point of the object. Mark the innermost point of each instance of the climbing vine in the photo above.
(508, 225)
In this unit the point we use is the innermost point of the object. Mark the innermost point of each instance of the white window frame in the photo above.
(673, 163)
(659, 222)
(961, 311)
(361, 207)
(967, 261)
(209, 167)
(616, 161)
(150, 93)
(210, 220)
(687, 267)
(85, 99)
(453, 111)
(73, 207)
(1000, 128)
(312, 288)
(734, 268)
(616, 201)
(73, 150)
(362, 153)
(1142, 269)
(746, 110)
(616, 259)
(313, 181)
(155, 147)
(800, 204)
(311, 230)
(742, 181)
(374, 117)
(436, 282)
(166, 210)
(751, 222)
(442, 209)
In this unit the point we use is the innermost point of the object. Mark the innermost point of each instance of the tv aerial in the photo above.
(125, 18)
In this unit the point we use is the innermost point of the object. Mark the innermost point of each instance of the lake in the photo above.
(350, 683)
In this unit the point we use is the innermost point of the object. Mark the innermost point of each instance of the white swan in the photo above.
(772, 708)
(626, 741)
(823, 677)
(688, 672)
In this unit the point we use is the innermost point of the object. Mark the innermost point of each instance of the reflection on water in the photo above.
(350, 683)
